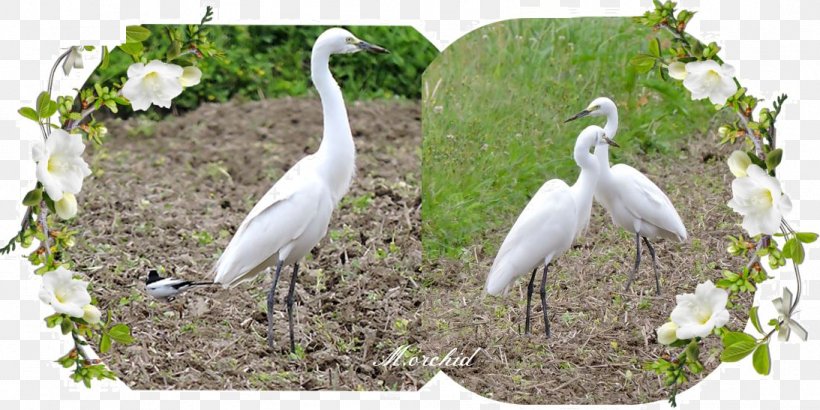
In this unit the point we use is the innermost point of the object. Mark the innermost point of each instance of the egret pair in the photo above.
(558, 214)
(293, 216)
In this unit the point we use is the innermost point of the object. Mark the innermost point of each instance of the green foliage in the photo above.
(494, 111)
(274, 61)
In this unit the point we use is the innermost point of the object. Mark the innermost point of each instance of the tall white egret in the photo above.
(633, 201)
(293, 216)
(550, 222)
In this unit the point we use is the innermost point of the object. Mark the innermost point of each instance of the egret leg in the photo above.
(637, 262)
(290, 305)
(271, 298)
(654, 266)
(544, 300)
(530, 288)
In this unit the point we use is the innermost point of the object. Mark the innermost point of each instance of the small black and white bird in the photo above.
(168, 288)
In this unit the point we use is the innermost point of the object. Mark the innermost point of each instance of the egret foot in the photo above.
(271, 298)
(529, 302)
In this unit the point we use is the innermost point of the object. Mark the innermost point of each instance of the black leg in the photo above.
(654, 266)
(290, 305)
(544, 300)
(637, 262)
(529, 301)
(271, 298)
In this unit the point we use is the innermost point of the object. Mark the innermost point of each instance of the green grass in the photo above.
(494, 106)
(274, 61)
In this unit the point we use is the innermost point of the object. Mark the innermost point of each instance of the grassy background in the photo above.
(273, 61)
(493, 112)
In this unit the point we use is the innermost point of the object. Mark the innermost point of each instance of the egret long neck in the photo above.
(602, 151)
(337, 149)
(584, 186)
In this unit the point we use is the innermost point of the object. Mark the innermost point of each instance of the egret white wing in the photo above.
(539, 232)
(644, 200)
(280, 216)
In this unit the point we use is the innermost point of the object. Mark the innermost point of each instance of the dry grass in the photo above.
(601, 335)
(170, 194)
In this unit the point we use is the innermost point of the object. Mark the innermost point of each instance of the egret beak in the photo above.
(581, 114)
(611, 142)
(371, 48)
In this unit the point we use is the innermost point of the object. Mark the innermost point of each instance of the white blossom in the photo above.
(761, 201)
(64, 293)
(60, 166)
(708, 79)
(697, 314)
(154, 83)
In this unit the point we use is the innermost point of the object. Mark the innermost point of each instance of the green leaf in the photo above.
(655, 47)
(753, 316)
(793, 250)
(731, 338)
(642, 63)
(737, 351)
(66, 326)
(105, 343)
(136, 34)
(132, 49)
(33, 197)
(121, 333)
(761, 360)
(106, 58)
(806, 237)
(773, 158)
(45, 107)
(29, 113)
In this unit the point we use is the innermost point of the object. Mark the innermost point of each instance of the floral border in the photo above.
(66, 124)
(757, 196)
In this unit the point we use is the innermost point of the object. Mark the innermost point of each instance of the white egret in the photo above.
(633, 201)
(550, 222)
(293, 216)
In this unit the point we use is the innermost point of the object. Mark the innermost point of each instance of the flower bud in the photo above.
(91, 314)
(66, 207)
(667, 334)
(738, 162)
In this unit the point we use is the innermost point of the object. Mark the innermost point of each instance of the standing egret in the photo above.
(293, 216)
(634, 202)
(550, 222)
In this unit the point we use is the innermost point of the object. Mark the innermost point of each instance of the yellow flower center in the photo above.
(60, 296)
(704, 316)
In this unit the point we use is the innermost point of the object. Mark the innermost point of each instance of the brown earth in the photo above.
(601, 334)
(169, 195)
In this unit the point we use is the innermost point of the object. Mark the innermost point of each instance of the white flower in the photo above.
(677, 70)
(708, 79)
(667, 334)
(190, 76)
(697, 314)
(759, 198)
(155, 83)
(74, 59)
(64, 293)
(738, 162)
(91, 314)
(66, 207)
(60, 166)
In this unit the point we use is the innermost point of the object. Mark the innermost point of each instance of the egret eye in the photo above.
(349, 40)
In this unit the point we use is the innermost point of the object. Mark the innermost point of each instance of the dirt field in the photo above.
(170, 194)
(601, 335)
